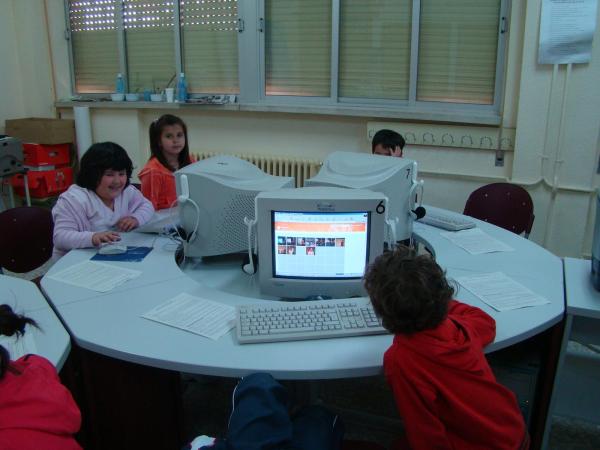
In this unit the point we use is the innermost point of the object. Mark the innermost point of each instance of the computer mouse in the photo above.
(112, 248)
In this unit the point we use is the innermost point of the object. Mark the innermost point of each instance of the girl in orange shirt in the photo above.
(170, 152)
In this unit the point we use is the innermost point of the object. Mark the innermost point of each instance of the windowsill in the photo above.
(430, 115)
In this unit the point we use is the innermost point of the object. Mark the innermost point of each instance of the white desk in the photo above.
(110, 323)
(573, 374)
(51, 340)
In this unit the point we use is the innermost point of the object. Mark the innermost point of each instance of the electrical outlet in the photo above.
(499, 159)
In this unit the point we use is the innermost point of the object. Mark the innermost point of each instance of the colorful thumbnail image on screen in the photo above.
(321, 245)
(290, 245)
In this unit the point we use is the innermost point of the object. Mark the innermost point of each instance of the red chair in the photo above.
(25, 238)
(503, 204)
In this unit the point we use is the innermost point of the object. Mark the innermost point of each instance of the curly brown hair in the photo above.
(409, 292)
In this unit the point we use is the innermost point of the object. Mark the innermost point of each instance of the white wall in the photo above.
(25, 78)
(10, 82)
(563, 203)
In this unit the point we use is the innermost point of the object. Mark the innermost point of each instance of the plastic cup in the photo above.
(170, 93)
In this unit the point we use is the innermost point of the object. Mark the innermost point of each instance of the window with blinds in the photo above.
(386, 53)
(298, 47)
(150, 43)
(375, 49)
(94, 44)
(458, 44)
(210, 47)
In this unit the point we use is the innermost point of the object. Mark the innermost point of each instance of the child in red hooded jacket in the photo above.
(444, 388)
(36, 410)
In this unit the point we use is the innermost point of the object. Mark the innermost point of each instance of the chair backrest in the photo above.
(25, 238)
(503, 204)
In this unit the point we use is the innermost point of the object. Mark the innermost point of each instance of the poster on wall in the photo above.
(566, 31)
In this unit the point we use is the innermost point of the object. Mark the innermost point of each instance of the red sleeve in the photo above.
(41, 363)
(477, 320)
(418, 409)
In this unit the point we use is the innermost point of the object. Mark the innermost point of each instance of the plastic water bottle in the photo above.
(181, 88)
(120, 86)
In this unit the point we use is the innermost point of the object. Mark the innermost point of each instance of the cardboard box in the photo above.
(45, 183)
(46, 155)
(42, 131)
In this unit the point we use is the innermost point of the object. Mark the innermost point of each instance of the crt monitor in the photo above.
(215, 195)
(394, 177)
(317, 241)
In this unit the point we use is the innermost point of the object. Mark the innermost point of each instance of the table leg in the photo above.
(560, 361)
(551, 342)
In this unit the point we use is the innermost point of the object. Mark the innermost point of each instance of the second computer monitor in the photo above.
(394, 177)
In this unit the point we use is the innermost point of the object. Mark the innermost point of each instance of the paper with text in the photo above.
(197, 315)
(95, 276)
(476, 241)
(501, 292)
(566, 31)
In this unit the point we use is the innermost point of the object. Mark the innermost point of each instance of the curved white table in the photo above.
(125, 402)
(110, 323)
(51, 340)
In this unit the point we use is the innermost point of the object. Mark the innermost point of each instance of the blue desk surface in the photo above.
(110, 323)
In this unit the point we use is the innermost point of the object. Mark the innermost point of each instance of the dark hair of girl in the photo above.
(99, 158)
(11, 324)
(155, 131)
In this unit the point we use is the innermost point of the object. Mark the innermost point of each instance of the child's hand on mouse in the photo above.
(105, 236)
(127, 223)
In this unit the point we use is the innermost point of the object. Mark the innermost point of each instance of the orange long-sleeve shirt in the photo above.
(158, 184)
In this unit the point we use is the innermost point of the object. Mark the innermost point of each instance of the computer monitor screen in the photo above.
(396, 178)
(215, 195)
(320, 245)
(318, 241)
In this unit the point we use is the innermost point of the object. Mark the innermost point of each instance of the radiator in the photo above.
(300, 169)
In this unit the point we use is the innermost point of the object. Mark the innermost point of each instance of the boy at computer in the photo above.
(444, 388)
(387, 143)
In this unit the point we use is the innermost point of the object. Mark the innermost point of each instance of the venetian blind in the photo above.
(374, 47)
(457, 50)
(150, 43)
(210, 49)
(298, 47)
(94, 41)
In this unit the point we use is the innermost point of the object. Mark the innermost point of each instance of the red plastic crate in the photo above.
(46, 155)
(46, 183)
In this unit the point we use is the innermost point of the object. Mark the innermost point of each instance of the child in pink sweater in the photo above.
(101, 204)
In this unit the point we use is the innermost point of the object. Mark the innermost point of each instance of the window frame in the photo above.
(252, 76)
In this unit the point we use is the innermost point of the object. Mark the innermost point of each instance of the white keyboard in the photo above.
(446, 220)
(316, 319)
